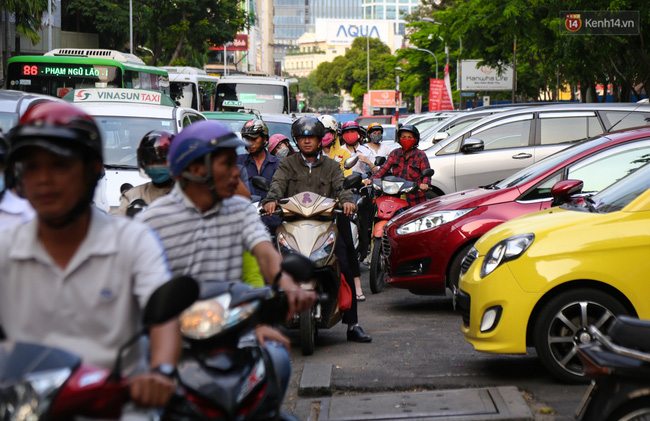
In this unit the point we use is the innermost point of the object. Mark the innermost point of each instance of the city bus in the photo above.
(58, 71)
(192, 87)
(266, 94)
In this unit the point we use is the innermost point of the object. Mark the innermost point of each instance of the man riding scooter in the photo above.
(312, 171)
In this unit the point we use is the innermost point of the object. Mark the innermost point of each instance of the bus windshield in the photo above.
(270, 99)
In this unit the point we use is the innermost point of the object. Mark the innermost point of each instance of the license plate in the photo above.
(580, 412)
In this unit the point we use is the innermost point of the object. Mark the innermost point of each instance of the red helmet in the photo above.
(351, 125)
(275, 140)
(60, 128)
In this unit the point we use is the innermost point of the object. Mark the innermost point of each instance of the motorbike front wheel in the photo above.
(307, 332)
(377, 282)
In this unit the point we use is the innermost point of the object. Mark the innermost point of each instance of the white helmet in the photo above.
(329, 122)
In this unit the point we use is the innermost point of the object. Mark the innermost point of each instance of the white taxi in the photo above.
(124, 116)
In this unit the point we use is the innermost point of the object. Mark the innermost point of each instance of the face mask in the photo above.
(350, 138)
(158, 175)
(375, 138)
(282, 153)
(407, 144)
(327, 139)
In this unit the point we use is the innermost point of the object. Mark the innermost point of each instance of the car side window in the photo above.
(186, 120)
(606, 168)
(568, 129)
(624, 119)
(542, 190)
(513, 134)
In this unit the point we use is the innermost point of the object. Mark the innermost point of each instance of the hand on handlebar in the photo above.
(270, 208)
(349, 208)
(298, 299)
(367, 181)
(424, 187)
(151, 390)
(266, 332)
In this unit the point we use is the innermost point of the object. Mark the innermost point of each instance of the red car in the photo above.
(423, 247)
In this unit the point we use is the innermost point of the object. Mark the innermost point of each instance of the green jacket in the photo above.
(294, 176)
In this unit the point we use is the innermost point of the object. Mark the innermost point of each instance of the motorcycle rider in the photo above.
(311, 170)
(75, 277)
(257, 162)
(205, 227)
(408, 162)
(13, 208)
(152, 159)
(279, 146)
(331, 144)
(351, 133)
(375, 136)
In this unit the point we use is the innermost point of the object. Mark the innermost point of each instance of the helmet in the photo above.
(199, 139)
(275, 140)
(60, 128)
(254, 128)
(375, 126)
(351, 125)
(152, 154)
(329, 122)
(409, 128)
(307, 126)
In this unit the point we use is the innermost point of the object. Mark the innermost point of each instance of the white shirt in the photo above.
(14, 210)
(93, 306)
(360, 167)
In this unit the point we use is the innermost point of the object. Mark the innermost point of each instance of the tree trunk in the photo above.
(181, 40)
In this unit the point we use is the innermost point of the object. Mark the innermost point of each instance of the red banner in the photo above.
(240, 43)
(439, 96)
(366, 104)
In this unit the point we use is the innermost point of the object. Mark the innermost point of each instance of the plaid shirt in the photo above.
(411, 170)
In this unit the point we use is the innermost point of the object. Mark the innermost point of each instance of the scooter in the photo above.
(389, 202)
(619, 364)
(309, 228)
(42, 382)
(221, 376)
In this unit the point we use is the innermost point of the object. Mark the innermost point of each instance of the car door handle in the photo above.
(522, 156)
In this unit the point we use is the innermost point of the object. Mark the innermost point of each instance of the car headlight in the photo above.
(285, 248)
(209, 317)
(506, 250)
(28, 400)
(431, 221)
(323, 253)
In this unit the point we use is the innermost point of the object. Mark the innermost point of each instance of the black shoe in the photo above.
(356, 334)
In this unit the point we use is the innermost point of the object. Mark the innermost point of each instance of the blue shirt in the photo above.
(268, 168)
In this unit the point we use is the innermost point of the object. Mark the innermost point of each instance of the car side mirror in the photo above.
(440, 136)
(472, 145)
(260, 183)
(563, 190)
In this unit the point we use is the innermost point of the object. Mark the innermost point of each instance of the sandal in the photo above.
(361, 298)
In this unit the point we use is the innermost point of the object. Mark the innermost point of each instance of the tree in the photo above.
(27, 14)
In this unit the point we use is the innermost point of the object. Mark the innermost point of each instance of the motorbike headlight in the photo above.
(322, 254)
(391, 187)
(209, 317)
(285, 248)
(431, 221)
(506, 250)
(28, 400)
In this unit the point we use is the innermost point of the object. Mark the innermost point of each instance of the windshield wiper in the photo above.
(492, 186)
(120, 167)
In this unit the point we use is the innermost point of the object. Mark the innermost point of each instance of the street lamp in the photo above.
(397, 72)
(415, 47)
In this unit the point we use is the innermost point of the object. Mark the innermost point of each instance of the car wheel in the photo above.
(562, 325)
(454, 269)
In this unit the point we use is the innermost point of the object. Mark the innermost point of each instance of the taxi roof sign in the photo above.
(124, 95)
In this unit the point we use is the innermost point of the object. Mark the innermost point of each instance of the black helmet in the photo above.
(307, 126)
(60, 128)
(255, 128)
(409, 128)
(153, 148)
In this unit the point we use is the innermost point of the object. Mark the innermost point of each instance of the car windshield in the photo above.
(544, 165)
(618, 195)
(122, 136)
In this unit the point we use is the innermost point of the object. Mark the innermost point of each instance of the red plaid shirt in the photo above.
(411, 170)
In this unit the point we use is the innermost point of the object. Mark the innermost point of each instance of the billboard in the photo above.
(344, 31)
(240, 43)
(483, 78)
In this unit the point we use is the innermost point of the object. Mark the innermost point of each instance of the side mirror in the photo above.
(380, 160)
(440, 136)
(472, 145)
(135, 207)
(428, 172)
(260, 183)
(124, 187)
(352, 181)
(563, 190)
(350, 162)
(299, 266)
(169, 300)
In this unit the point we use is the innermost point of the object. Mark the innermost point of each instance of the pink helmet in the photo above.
(275, 140)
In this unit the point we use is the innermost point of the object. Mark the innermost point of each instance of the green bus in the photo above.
(59, 71)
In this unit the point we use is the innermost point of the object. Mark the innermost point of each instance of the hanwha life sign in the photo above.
(473, 77)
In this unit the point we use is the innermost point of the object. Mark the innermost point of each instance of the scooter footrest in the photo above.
(630, 332)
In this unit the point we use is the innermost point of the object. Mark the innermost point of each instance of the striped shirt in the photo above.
(207, 246)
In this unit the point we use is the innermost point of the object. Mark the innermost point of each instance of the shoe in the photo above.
(361, 298)
(356, 334)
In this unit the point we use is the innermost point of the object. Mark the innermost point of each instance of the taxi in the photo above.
(124, 116)
(541, 279)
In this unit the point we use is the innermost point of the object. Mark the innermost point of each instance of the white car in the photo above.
(124, 118)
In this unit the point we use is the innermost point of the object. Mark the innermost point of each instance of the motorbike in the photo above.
(389, 202)
(619, 364)
(43, 382)
(309, 228)
(221, 376)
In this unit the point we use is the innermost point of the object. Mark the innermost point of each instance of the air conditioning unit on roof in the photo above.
(97, 53)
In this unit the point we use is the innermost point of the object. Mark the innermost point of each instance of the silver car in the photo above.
(499, 145)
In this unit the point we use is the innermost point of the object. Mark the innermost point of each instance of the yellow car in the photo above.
(541, 279)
